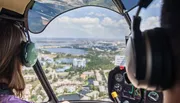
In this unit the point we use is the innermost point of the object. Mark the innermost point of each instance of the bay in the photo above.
(67, 51)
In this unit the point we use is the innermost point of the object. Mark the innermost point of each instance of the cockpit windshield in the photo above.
(79, 48)
(43, 11)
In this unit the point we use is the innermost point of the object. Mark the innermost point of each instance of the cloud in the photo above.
(150, 23)
(82, 20)
(109, 22)
(86, 27)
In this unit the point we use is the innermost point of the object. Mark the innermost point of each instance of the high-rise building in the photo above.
(80, 63)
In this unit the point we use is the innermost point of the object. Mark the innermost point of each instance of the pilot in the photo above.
(153, 56)
(170, 17)
(12, 82)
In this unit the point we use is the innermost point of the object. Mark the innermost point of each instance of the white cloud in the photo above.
(82, 20)
(100, 15)
(109, 22)
(86, 27)
(150, 23)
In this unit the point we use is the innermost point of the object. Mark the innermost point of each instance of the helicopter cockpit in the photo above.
(81, 49)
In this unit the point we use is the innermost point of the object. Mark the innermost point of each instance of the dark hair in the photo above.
(10, 51)
(170, 14)
(170, 17)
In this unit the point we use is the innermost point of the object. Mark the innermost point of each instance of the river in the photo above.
(67, 51)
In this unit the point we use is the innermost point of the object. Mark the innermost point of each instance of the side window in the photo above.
(150, 16)
(34, 91)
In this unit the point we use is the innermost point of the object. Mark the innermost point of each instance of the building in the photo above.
(96, 83)
(80, 63)
(83, 76)
(102, 88)
(26, 92)
(98, 76)
(118, 60)
(71, 89)
(29, 77)
(90, 74)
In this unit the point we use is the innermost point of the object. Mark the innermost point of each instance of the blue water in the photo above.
(90, 81)
(67, 51)
(65, 60)
(63, 69)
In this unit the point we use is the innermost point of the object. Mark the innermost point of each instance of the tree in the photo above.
(55, 80)
(31, 71)
(46, 71)
(101, 94)
(95, 88)
(48, 65)
(34, 98)
(91, 87)
(65, 90)
(79, 79)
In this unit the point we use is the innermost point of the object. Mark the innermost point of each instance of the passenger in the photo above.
(170, 17)
(12, 82)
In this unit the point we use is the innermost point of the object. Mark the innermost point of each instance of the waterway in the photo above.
(67, 51)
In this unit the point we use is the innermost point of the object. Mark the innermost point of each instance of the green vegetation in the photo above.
(92, 87)
(101, 94)
(107, 74)
(34, 98)
(46, 71)
(58, 66)
(92, 77)
(99, 63)
(65, 90)
(55, 79)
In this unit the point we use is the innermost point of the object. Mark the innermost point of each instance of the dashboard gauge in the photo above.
(117, 87)
(126, 101)
(119, 77)
(153, 96)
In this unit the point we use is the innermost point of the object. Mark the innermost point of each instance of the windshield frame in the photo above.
(125, 15)
(40, 73)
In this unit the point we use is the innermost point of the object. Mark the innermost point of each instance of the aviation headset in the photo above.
(149, 56)
(29, 53)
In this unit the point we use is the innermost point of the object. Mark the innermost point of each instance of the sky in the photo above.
(96, 22)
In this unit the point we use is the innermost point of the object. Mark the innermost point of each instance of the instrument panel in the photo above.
(127, 93)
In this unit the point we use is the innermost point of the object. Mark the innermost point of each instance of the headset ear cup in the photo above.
(154, 51)
(29, 55)
(161, 58)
